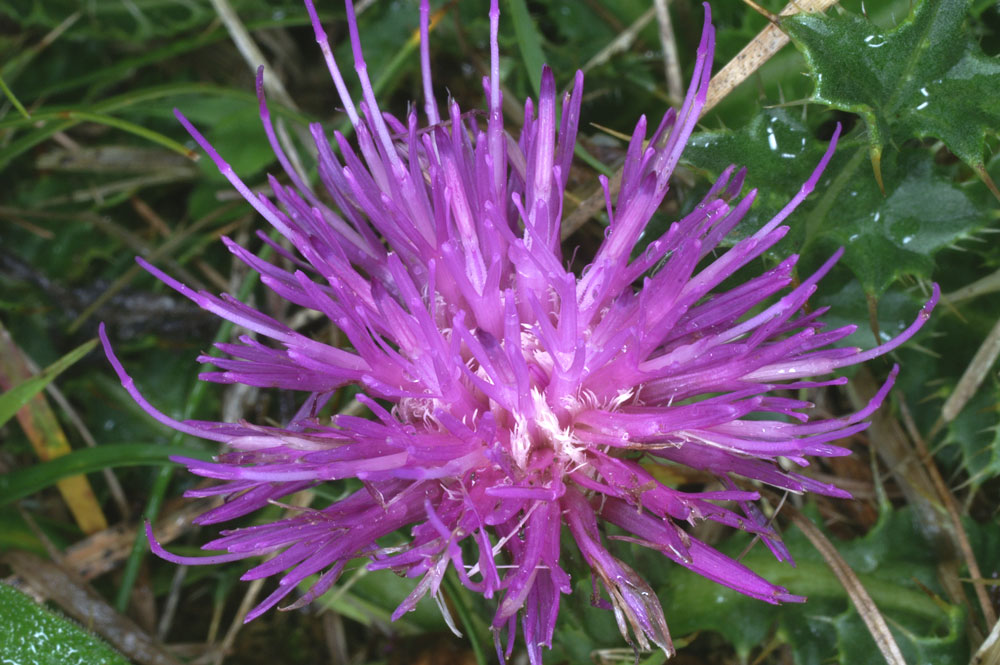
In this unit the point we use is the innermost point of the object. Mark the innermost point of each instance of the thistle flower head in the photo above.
(512, 401)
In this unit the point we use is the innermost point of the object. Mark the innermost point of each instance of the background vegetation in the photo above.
(95, 170)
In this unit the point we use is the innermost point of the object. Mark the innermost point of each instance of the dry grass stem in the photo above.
(989, 651)
(898, 455)
(866, 607)
(951, 505)
(273, 86)
(980, 287)
(296, 502)
(10, 69)
(971, 379)
(768, 42)
(671, 62)
(622, 42)
(251, 53)
(173, 600)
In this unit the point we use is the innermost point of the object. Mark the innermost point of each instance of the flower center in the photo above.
(539, 428)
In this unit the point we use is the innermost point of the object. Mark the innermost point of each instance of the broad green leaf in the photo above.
(15, 398)
(32, 634)
(898, 235)
(925, 78)
(892, 562)
(779, 153)
(885, 237)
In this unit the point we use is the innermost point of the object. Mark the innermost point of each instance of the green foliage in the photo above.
(927, 77)
(14, 486)
(923, 90)
(885, 237)
(778, 151)
(529, 41)
(32, 634)
(976, 434)
(133, 21)
(19, 395)
(892, 561)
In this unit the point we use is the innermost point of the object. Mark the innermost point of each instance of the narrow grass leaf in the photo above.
(42, 427)
(21, 483)
(12, 400)
(529, 41)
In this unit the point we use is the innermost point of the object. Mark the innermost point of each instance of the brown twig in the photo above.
(863, 602)
(622, 42)
(761, 48)
(948, 500)
(671, 63)
(104, 550)
(971, 379)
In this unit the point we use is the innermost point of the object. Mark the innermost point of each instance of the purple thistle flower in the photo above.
(525, 400)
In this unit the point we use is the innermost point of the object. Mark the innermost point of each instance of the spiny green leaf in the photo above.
(885, 237)
(32, 634)
(779, 153)
(976, 433)
(899, 234)
(926, 78)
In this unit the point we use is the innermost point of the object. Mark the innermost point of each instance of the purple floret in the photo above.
(510, 400)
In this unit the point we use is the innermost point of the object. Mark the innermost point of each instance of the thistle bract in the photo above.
(512, 401)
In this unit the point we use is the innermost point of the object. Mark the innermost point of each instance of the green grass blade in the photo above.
(120, 69)
(15, 398)
(456, 593)
(21, 483)
(529, 41)
(53, 120)
(14, 100)
(151, 93)
(71, 118)
(162, 480)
